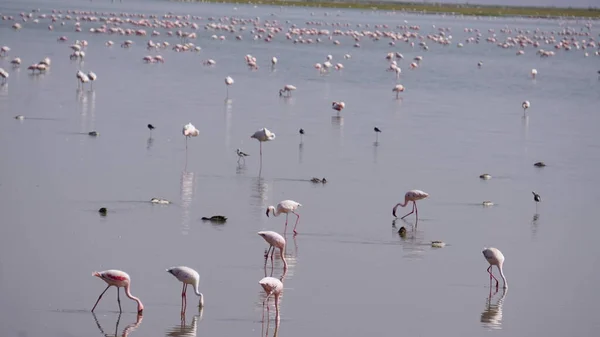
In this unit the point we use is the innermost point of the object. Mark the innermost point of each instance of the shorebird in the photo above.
(377, 132)
(412, 195)
(119, 279)
(241, 155)
(272, 286)
(286, 206)
(525, 105)
(151, 127)
(537, 198)
(287, 90)
(228, 82)
(338, 106)
(92, 76)
(533, 73)
(189, 130)
(187, 276)
(495, 258)
(398, 89)
(263, 135)
(301, 132)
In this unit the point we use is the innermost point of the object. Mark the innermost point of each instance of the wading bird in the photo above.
(241, 155)
(263, 135)
(275, 240)
(412, 195)
(187, 276)
(495, 258)
(286, 206)
(272, 286)
(119, 279)
(189, 130)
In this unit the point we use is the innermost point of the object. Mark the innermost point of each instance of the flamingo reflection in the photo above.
(187, 194)
(186, 330)
(128, 329)
(491, 317)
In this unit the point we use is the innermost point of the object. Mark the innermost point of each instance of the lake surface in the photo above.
(350, 272)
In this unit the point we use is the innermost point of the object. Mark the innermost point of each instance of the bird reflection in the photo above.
(534, 224)
(4, 89)
(491, 317)
(186, 330)
(128, 329)
(337, 121)
(300, 152)
(87, 101)
(375, 151)
(525, 121)
(241, 168)
(260, 193)
(149, 142)
(187, 194)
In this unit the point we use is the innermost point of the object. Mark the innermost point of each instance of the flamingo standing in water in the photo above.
(275, 240)
(228, 81)
(272, 286)
(187, 276)
(338, 106)
(412, 195)
(119, 279)
(398, 89)
(533, 73)
(92, 76)
(4, 74)
(287, 207)
(263, 135)
(189, 130)
(287, 90)
(495, 258)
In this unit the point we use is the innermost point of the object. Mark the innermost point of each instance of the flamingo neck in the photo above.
(274, 211)
(139, 303)
(502, 275)
(285, 266)
(199, 294)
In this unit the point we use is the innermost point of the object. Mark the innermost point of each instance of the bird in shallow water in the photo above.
(402, 231)
(94, 133)
(485, 176)
(151, 127)
(539, 164)
(160, 201)
(215, 218)
(536, 197)
(377, 132)
(102, 211)
(317, 180)
(301, 132)
(241, 155)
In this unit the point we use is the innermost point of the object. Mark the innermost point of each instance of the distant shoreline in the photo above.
(429, 8)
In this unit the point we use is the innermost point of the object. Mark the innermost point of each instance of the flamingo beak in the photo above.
(268, 212)
(394, 213)
(141, 312)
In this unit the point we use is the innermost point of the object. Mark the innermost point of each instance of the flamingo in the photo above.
(287, 90)
(525, 105)
(495, 258)
(272, 286)
(338, 106)
(412, 195)
(275, 240)
(228, 82)
(16, 62)
(4, 50)
(119, 279)
(533, 73)
(398, 89)
(263, 135)
(187, 276)
(92, 76)
(287, 207)
(273, 61)
(189, 130)
(83, 78)
(4, 74)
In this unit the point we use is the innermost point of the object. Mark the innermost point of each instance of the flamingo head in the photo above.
(140, 308)
(270, 209)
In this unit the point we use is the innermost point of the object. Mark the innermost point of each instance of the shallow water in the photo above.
(350, 272)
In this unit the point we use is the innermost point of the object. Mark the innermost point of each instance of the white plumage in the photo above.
(188, 276)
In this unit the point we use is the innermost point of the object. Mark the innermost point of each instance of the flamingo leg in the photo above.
(99, 297)
(186, 143)
(286, 221)
(411, 212)
(297, 219)
(489, 270)
(119, 299)
(267, 253)
(416, 210)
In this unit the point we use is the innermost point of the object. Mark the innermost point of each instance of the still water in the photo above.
(350, 272)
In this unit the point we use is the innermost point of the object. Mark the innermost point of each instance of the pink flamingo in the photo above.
(189, 130)
(287, 207)
(338, 106)
(263, 135)
(412, 195)
(187, 276)
(275, 240)
(495, 258)
(272, 286)
(119, 279)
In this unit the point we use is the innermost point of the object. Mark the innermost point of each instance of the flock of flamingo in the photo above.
(187, 28)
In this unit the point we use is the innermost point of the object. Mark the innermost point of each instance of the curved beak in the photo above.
(268, 212)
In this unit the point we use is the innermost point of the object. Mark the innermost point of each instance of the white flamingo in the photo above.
(287, 207)
(533, 73)
(228, 81)
(398, 89)
(92, 76)
(525, 105)
(187, 276)
(4, 74)
(272, 286)
(287, 90)
(263, 135)
(189, 130)
(495, 258)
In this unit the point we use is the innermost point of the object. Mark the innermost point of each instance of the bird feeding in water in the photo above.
(241, 155)
(119, 279)
(525, 105)
(412, 195)
(272, 286)
(287, 90)
(377, 132)
(228, 81)
(189, 130)
(263, 135)
(398, 89)
(485, 176)
(286, 206)
(495, 258)
(338, 106)
(533, 73)
(275, 240)
(537, 198)
(187, 276)
(539, 164)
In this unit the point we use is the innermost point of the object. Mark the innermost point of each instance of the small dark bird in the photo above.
(301, 132)
(536, 197)
(402, 231)
(102, 211)
(151, 127)
(539, 164)
(215, 218)
(241, 155)
(377, 132)
(94, 133)
(376, 129)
